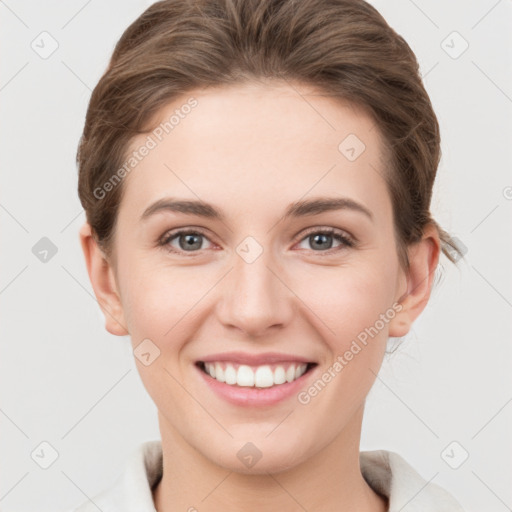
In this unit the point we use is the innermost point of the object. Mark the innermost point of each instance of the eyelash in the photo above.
(347, 241)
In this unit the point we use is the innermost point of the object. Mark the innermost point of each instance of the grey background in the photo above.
(67, 382)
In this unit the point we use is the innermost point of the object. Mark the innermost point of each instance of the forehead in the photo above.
(252, 144)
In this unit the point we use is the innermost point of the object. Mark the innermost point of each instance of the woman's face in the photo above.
(263, 283)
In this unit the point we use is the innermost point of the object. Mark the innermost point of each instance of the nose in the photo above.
(254, 297)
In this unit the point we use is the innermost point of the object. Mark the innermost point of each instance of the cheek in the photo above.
(159, 303)
(349, 300)
(156, 299)
(355, 308)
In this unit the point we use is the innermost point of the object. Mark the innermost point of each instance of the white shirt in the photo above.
(386, 472)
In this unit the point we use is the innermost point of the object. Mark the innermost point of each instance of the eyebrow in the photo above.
(303, 208)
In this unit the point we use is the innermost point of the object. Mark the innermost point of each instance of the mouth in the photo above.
(261, 376)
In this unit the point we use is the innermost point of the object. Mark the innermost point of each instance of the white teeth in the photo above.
(264, 378)
(230, 374)
(279, 375)
(260, 377)
(245, 376)
(219, 373)
(300, 370)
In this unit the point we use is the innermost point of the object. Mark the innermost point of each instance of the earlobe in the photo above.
(423, 259)
(103, 282)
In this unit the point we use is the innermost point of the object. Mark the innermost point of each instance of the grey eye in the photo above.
(321, 241)
(190, 241)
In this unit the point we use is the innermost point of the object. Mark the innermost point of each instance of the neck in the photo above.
(330, 480)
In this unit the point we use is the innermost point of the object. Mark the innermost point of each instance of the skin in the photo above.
(251, 150)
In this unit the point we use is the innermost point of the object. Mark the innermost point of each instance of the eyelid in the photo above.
(329, 230)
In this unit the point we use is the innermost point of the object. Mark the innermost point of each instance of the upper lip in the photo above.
(255, 359)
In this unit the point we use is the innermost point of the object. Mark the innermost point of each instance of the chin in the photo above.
(256, 455)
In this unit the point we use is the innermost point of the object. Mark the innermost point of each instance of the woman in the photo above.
(227, 142)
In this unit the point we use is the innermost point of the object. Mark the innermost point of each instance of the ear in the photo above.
(423, 259)
(103, 282)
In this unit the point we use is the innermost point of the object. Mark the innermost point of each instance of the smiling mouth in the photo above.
(262, 376)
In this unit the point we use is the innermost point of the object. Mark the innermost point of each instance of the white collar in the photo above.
(386, 472)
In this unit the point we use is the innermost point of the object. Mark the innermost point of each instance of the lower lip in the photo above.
(252, 396)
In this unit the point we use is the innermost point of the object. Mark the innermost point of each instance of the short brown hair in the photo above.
(343, 47)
